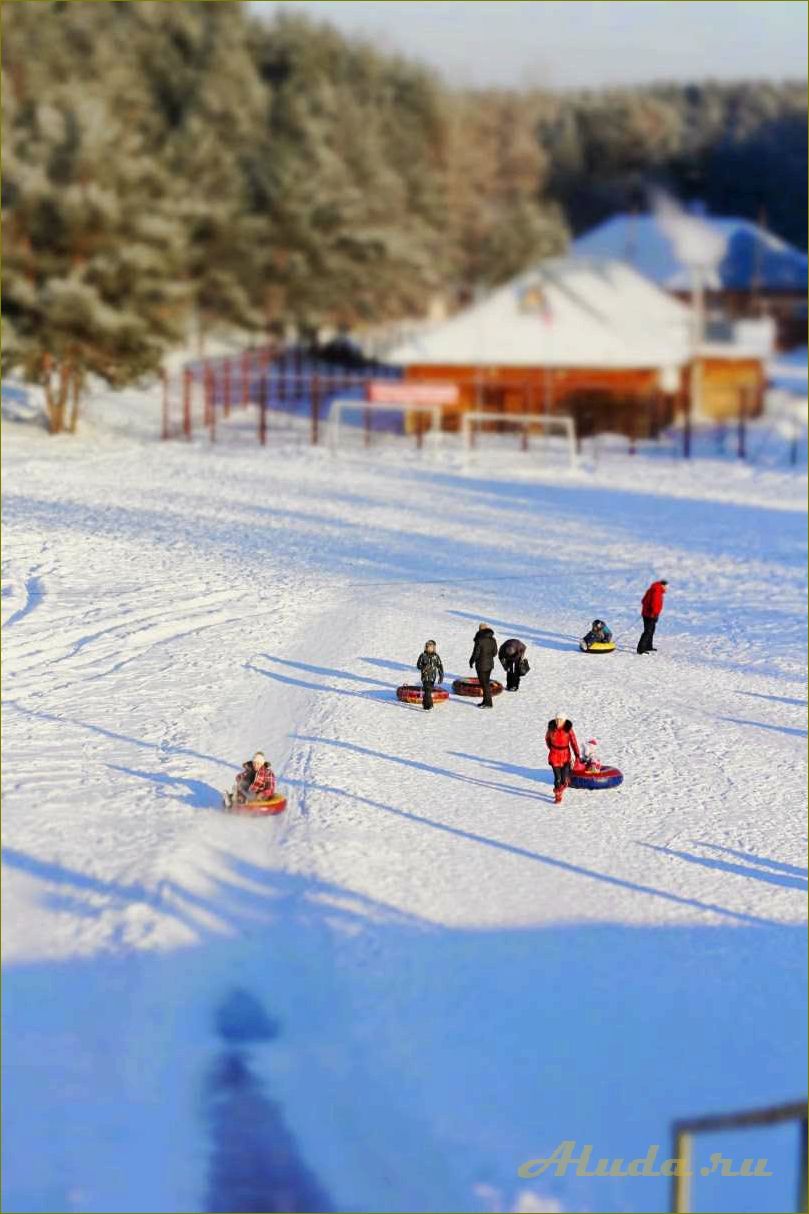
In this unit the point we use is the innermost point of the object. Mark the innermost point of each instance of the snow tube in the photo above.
(471, 687)
(273, 805)
(605, 777)
(412, 693)
(597, 647)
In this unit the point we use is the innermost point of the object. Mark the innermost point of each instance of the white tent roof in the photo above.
(564, 312)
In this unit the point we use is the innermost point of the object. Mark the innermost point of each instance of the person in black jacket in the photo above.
(483, 654)
(431, 670)
(512, 656)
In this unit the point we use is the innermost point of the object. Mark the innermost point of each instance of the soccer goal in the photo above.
(553, 426)
(360, 420)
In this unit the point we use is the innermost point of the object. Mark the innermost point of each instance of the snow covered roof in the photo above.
(564, 312)
(753, 255)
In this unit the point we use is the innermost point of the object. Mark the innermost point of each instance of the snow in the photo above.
(445, 975)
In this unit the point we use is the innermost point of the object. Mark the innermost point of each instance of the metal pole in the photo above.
(227, 387)
(742, 451)
(367, 427)
(165, 430)
(187, 403)
(687, 422)
(262, 412)
(681, 1183)
(315, 398)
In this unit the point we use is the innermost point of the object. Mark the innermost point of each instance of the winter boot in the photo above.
(557, 794)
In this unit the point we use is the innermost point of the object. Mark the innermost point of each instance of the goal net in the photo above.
(550, 433)
(362, 423)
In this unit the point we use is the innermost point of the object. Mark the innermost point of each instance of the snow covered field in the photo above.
(443, 975)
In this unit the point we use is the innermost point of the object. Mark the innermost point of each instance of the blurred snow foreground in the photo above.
(423, 974)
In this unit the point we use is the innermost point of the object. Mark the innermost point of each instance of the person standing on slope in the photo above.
(431, 670)
(512, 657)
(560, 740)
(650, 608)
(483, 654)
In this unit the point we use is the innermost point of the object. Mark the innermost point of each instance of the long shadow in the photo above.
(788, 729)
(539, 857)
(383, 695)
(779, 865)
(386, 665)
(542, 775)
(161, 747)
(200, 795)
(758, 874)
(509, 789)
(778, 699)
(328, 671)
(34, 594)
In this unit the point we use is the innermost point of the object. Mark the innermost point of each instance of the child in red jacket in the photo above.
(560, 740)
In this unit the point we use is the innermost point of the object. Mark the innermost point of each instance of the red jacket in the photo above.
(560, 740)
(652, 601)
(259, 783)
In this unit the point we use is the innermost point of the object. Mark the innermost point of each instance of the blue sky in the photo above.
(579, 43)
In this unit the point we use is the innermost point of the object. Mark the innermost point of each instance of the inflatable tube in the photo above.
(597, 647)
(412, 693)
(261, 809)
(605, 777)
(471, 687)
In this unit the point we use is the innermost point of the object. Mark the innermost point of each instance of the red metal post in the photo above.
(227, 387)
(262, 410)
(187, 403)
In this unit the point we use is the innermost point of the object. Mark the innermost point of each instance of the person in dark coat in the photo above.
(650, 609)
(431, 670)
(512, 656)
(560, 740)
(484, 652)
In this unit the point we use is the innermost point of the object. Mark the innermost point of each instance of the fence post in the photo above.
(187, 403)
(262, 409)
(680, 1187)
(687, 423)
(315, 399)
(227, 387)
(209, 403)
(742, 447)
(367, 426)
(165, 429)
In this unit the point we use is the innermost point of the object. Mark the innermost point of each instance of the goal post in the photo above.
(340, 407)
(560, 423)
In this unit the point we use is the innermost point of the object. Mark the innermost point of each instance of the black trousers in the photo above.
(647, 636)
(485, 678)
(561, 775)
(513, 674)
(427, 697)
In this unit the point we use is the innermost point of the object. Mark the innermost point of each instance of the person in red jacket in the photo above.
(650, 608)
(255, 782)
(560, 740)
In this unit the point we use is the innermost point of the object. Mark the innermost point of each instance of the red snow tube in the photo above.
(605, 777)
(472, 687)
(262, 809)
(412, 693)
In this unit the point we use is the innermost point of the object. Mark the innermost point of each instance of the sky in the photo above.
(579, 43)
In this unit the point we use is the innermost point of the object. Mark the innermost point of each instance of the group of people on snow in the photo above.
(256, 781)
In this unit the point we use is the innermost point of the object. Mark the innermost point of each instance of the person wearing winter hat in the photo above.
(431, 669)
(650, 609)
(255, 782)
(514, 662)
(560, 740)
(484, 651)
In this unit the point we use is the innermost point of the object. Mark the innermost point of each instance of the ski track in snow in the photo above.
(464, 975)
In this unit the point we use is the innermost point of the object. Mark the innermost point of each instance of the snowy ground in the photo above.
(455, 974)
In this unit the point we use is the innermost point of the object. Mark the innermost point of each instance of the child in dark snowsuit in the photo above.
(512, 659)
(431, 670)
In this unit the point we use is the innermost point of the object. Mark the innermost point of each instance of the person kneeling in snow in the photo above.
(255, 782)
(560, 740)
(432, 671)
(598, 632)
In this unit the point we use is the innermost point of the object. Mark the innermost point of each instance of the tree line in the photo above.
(166, 162)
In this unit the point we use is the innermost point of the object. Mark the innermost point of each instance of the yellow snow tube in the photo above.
(600, 647)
